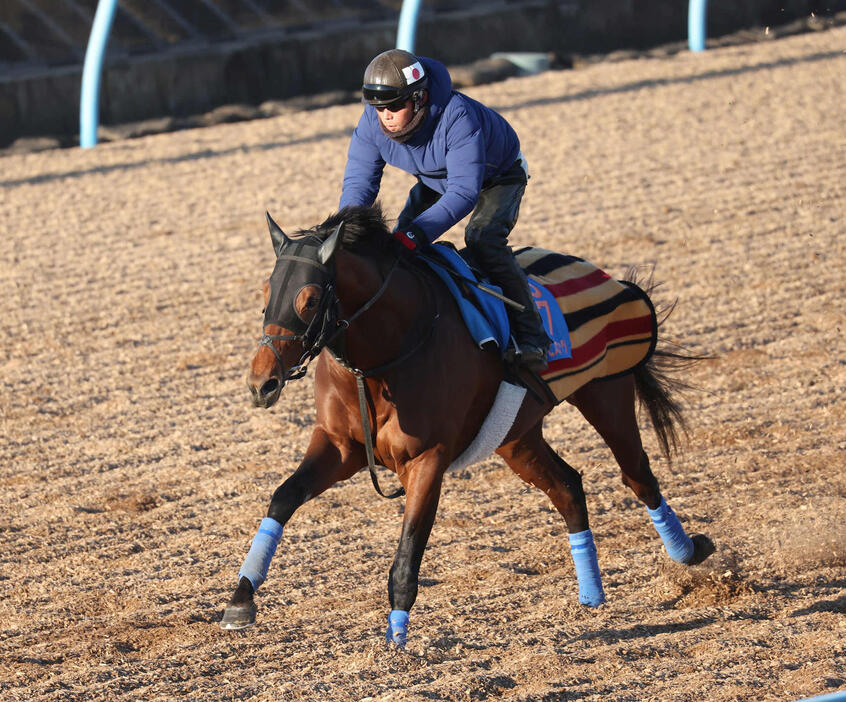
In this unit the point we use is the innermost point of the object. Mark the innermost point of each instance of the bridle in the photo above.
(325, 327)
(317, 335)
(324, 331)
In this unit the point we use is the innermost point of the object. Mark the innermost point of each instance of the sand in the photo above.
(135, 471)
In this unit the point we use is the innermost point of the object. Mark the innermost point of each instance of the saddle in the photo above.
(600, 327)
(483, 313)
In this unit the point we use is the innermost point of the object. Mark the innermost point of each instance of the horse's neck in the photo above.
(378, 334)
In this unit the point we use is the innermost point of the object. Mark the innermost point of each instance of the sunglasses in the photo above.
(394, 106)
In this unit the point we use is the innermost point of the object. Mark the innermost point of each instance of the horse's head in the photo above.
(300, 314)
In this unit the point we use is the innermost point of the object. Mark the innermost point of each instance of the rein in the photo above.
(314, 341)
(364, 399)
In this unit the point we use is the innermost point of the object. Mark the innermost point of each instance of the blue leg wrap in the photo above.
(678, 544)
(587, 568)
(397, 627)
(261, 551)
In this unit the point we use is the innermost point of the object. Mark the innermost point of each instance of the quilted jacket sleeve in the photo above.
(465, 163)
(365, 164)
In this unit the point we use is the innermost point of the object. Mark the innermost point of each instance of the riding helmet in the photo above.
(393, 76)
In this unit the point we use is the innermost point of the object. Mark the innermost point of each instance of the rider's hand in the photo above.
(410, 237)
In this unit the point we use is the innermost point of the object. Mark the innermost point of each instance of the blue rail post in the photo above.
(696, 24)
(406, 34)
(830, 697)
(92, 70)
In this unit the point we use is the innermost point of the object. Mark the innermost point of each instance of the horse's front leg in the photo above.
(423, 490)
(324, 464)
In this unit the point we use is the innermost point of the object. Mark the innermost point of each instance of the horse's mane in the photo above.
(364, 228)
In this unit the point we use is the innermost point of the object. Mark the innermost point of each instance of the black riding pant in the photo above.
(486, 237)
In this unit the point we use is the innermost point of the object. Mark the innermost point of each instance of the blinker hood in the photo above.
(299, 263)
(286, 281)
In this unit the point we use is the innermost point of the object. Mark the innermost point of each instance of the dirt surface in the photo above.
(135, 471)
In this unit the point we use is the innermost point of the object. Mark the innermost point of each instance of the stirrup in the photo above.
(534, 359)
(529, 356)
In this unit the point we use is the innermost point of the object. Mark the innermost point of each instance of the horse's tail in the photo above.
(656, 382)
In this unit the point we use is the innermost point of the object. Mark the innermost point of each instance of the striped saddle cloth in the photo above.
(610, 323)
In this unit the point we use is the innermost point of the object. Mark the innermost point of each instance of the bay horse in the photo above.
(398, 378)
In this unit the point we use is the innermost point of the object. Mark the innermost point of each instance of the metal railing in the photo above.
(45, 33)
(55, 32)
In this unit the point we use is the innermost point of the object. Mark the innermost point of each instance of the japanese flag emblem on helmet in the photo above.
(413, 73)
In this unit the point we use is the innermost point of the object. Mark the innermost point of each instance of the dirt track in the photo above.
(135, 472)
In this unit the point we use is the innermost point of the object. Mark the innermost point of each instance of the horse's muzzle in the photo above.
(266, 393)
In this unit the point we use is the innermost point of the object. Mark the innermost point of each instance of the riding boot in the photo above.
(530, 336)
(495, 258)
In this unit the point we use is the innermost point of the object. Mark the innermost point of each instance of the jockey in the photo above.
(465, 157)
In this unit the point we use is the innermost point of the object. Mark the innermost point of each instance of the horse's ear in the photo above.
(280, 239)
(328, 247)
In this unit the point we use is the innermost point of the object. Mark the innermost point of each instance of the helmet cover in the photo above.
(393, 76)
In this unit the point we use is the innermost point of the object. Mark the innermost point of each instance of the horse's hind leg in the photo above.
(533, 459)
(609, 405)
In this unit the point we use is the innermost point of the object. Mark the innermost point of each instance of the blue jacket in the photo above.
(461, 144)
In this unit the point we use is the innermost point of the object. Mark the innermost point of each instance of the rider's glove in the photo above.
(410, 237)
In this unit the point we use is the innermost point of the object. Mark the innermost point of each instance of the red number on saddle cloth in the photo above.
(543, 307)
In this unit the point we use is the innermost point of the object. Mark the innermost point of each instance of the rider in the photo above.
(465, 157)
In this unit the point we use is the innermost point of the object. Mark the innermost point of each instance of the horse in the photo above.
(399, 378)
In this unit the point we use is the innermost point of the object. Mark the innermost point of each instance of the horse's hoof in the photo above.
(593, 600)
(238, 617)
(702, 548)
